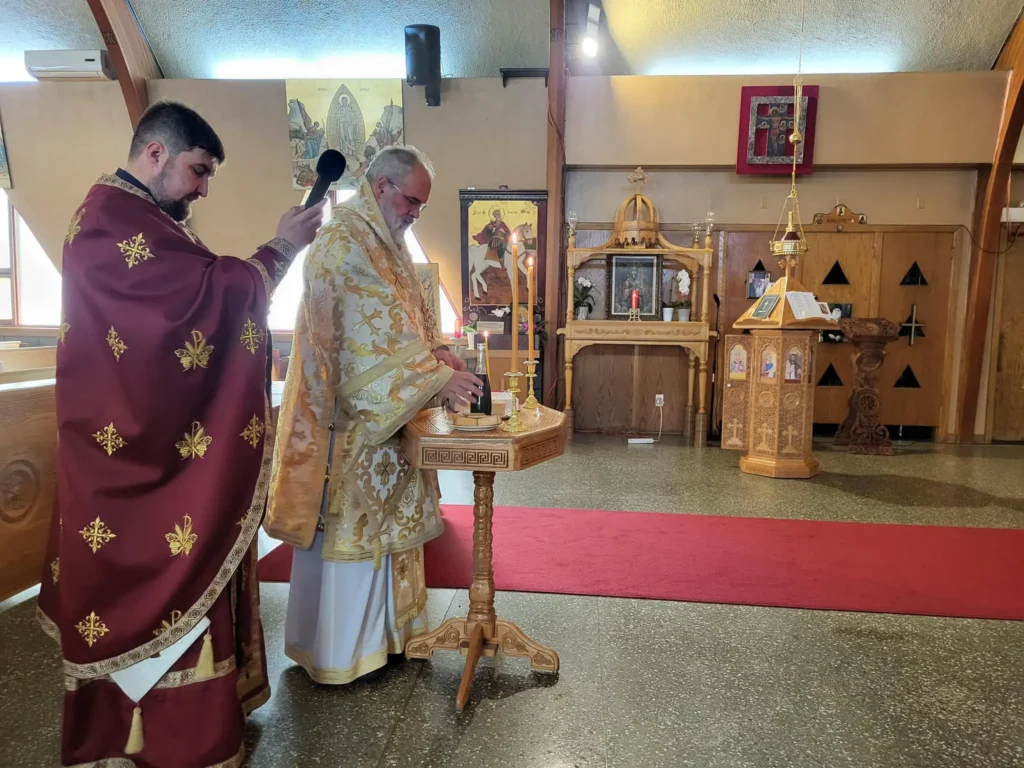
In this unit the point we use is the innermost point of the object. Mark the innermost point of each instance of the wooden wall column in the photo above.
(129, 51)
(988, 228)
(556, 193)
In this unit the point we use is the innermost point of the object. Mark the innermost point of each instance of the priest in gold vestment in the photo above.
(365, 360)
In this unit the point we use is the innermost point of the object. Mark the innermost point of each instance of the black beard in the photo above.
(179, 210)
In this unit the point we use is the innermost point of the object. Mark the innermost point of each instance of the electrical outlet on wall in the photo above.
(659, 401)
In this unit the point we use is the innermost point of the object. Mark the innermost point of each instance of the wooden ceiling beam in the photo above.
(554, 272)
(992, 198)
(129, 52)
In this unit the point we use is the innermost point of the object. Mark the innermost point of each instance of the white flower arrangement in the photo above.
(683, 281)
(502, 311)
(584, 282)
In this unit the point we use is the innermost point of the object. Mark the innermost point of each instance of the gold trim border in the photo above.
(110, 180)
(258, 265)
(340, 676)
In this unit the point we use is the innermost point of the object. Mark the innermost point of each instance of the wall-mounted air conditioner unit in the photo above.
(69, 65)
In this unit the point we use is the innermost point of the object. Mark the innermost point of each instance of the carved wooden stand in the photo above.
(481, 633)
(861, 431)
(430, 443)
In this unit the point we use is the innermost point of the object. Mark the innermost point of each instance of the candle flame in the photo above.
(486, 334)
(529, 262)
(515, 237)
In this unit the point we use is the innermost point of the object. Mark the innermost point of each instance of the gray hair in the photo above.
(396, 162)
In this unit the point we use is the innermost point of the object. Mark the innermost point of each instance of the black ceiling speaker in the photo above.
(423, 60)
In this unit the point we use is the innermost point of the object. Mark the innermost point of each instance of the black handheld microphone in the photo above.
(715, 297)
(329, 168)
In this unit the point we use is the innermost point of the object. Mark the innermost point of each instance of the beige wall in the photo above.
(253, 188)
(945, 196)
(60, 137)
(889, 119)
(481, 136)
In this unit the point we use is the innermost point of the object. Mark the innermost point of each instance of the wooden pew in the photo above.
(28, 478)
(25, 358)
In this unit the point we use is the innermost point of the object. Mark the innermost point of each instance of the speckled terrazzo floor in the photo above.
(647, 683)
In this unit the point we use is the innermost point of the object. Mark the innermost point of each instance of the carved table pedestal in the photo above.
(431, 442)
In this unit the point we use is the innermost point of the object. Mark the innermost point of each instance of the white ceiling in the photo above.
(28, 25)
(332, 38)
(762, 36)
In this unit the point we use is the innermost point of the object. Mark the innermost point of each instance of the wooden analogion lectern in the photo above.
(768, 393)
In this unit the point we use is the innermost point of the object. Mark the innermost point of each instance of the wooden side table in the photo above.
(431, 442)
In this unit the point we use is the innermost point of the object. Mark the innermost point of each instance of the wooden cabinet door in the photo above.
(835, 257)
(1008, 387)
(927, 299)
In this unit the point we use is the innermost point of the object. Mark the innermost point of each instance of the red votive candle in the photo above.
(635, 299)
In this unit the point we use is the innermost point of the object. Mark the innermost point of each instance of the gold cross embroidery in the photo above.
(55, 570)
(74, 227)
(62, 333)
(385, 467)
(253, 432)
(252, 336)
(109, 439)
(195, 443)
(196, 353)
(182, 538)
(96, 534)
(135, 250)
(368, 320)
(117, 346)
(165, 625)
(91, 628)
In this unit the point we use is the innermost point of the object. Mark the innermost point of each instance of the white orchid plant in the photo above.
(582, 294)
(683, 280)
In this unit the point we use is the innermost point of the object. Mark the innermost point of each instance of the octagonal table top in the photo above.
(431, 442)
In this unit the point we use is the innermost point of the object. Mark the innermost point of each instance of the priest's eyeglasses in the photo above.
(412, 201)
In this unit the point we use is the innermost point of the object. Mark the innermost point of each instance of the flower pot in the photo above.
(582, 313)
(684, 315)
(666, 313)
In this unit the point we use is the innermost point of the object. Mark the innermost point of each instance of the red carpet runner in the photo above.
(911, 569)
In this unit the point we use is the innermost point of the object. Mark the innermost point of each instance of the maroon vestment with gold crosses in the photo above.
(164, 454)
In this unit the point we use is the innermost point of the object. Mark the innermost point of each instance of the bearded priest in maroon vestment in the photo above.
(164, 455)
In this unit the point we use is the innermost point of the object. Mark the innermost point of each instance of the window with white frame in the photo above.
(29, 282)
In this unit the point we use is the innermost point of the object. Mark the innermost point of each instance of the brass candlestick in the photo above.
(531, 373)
(634, 315)
(513, 425)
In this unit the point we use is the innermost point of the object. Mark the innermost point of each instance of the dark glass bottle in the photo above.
(483, 405)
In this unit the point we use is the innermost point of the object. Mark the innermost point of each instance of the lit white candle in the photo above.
(532, 297)
(515, 305)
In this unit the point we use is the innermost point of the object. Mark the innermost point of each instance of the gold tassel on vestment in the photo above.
(204, 669)
(377, 553)
(135, 739)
